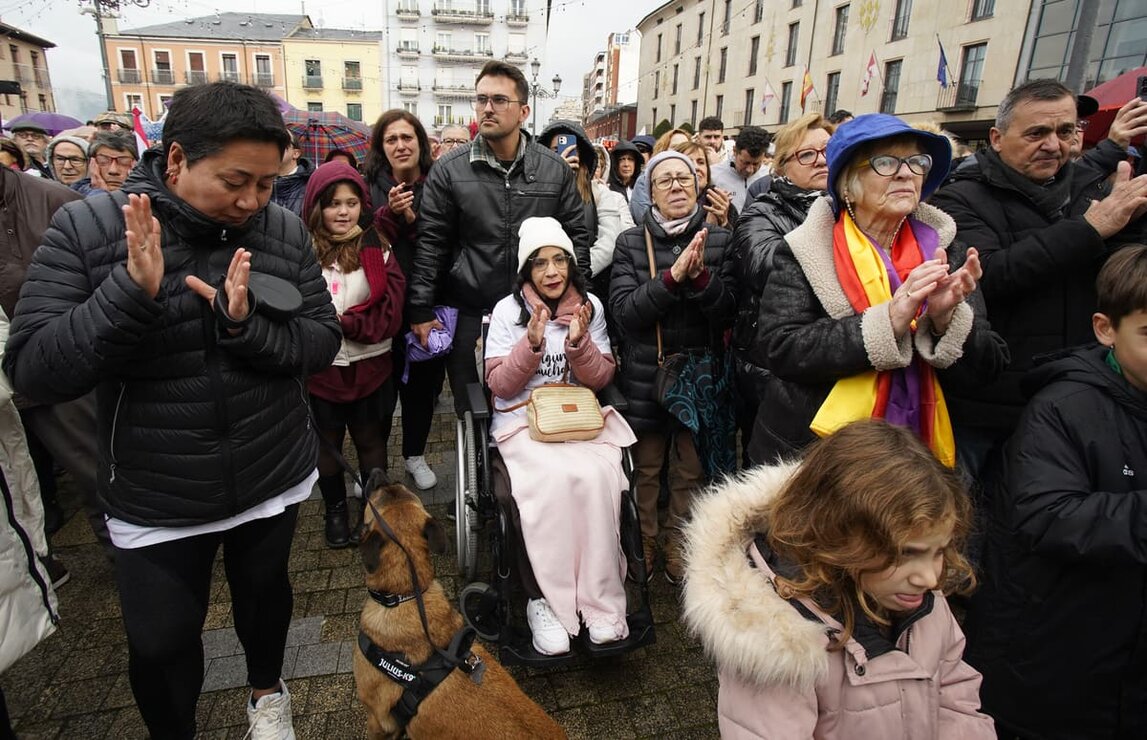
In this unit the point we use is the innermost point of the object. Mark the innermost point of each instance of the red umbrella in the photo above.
(320, 132)
(1111, 95)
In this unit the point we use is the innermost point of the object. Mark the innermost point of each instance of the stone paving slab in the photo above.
(75, 683)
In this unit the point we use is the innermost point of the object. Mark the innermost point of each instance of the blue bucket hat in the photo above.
(873, 126)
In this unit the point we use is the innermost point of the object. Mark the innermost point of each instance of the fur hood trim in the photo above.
(730, 605)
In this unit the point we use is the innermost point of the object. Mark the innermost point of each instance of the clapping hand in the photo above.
(579, 325)
(401, 202)
(916, 288)
(536, 329)
(691, 261)
(234, 286)
(953, 289)
(144, 244)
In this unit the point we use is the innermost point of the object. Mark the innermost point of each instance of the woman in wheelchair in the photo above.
(568, 494)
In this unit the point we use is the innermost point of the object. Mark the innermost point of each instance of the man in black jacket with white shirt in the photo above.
(474, 200)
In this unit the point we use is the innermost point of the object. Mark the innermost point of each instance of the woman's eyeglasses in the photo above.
(665, 183)
(808, 156)
(887, 165)
(541, 264)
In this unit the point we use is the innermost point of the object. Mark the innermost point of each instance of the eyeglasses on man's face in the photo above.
(500, 102)
(666, 182)
(541, 264)
(887, 165)
(808, 157)
(126, 160)
(68, 161)
(455, 142)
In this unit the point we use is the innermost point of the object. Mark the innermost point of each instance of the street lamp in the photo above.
(537, 91)
(99, 10)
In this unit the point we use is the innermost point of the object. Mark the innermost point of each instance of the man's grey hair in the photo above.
(120, 142)
(1043, 89)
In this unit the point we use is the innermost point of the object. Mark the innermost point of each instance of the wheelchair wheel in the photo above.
(467, 523)
(480, 606)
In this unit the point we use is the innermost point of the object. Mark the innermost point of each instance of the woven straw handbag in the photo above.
(562, 412)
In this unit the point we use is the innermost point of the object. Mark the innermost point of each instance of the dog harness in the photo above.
(419, 681)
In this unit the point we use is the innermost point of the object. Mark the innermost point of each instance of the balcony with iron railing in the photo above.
(407, 14)
(312, 82)
(195, 77)
(352, 83)
(440, 121)
(958, 97)
(407, 51)
(464, 17)
(453, 90)
(129, 76)
(518, 19)
(26, 74)
(162, 77)
(229, 75)
(445, 54)
(407, 87)
(263, 79)
(517, 56)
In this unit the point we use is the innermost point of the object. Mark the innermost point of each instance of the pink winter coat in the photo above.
(778, 678)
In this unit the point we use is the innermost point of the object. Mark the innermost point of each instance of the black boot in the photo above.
(337, 529)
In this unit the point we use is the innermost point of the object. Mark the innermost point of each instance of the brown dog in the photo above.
(458, 707)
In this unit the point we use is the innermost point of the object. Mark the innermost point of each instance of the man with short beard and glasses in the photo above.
(474, 200)
(1043, 226)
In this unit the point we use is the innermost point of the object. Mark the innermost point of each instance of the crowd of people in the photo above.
(928, 368)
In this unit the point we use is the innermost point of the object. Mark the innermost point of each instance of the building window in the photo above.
(839, 30)
(43, 101)
(313, 107)
(264, 77)
(971, 73)
(722, 64)
(655, 121)
(445, 114)
(656, 83)
(161, 73)
(728, 17)
(693, 114)
(15, 52)
(700, 29)
(196, 68)
(754, 49)
(230, 64)
(132, 102)
(750, 95)
(411, 108)
(791, 49)
(658, 59)
(675, 66)
(983, 9)
(482, 43)
(677, 41)
(832, 92)
(891, 87)
(720, 106)
(786, 101)
(129, 70)
(352, 77)
(759, 11)
(164, 103)
(673, 114)
(797, 3)
(313, 73)
(697, 73)
(900, 19)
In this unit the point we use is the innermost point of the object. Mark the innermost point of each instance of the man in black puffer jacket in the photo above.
(1043, 226)
(205, 439)
(474, 200)
(294, 174)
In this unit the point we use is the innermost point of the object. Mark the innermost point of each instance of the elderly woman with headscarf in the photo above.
(870, 303)
(671, 292)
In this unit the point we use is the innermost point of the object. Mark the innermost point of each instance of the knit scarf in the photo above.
(1051, 199)
(909, 396)
(676, 226)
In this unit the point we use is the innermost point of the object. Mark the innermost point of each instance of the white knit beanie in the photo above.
(541, 231)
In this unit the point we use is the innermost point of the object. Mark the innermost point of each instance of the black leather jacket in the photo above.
(195, 425)
(467, 253)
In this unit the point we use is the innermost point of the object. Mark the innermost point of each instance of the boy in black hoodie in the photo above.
(1059, 628)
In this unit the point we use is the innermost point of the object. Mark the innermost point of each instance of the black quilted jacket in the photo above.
(689, 318)
(194, 425)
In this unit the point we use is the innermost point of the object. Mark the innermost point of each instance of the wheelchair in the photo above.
(486, 541)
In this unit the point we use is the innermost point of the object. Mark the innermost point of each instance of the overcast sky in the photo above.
(578, 29)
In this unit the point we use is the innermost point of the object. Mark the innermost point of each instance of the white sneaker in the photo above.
(424, 477)
(270, 718)
(604, 632)
(550, 637)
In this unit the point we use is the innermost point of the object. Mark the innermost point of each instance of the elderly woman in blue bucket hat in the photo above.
(871, 306)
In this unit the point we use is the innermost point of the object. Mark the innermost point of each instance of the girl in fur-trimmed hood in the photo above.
(818, 589)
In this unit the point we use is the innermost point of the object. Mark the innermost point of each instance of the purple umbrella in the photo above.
(284, 106)
(53, 123)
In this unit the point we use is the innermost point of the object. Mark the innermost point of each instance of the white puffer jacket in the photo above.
(27, 601)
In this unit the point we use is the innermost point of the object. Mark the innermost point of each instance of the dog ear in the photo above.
(435, 536)
(370, 549)
(378, 478)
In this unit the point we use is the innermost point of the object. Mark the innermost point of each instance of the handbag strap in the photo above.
(564, 382)
(653, 276)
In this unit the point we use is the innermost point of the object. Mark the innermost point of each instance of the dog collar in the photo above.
(389, 600)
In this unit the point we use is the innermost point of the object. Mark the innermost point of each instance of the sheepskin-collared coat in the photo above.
(809, 336)
(778, 677)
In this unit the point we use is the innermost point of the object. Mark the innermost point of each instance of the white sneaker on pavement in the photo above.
(550, 637)
(424, 477)
(270, 717)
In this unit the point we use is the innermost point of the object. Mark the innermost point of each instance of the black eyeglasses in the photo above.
(500, 102)
(808, 156)
(887, 165)
(665, 183)
(71, 161)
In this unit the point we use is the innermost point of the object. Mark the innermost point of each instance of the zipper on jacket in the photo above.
(29, 551)
(217, 390)
(115, 425)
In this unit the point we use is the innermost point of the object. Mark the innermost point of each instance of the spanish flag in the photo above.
(806, 88)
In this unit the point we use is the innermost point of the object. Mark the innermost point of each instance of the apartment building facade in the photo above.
(148, 64)
(338, 70)
(24, 61)
(435, 48)
(746, 62)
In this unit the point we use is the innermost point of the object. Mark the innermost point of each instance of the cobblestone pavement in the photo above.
(75, 683)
